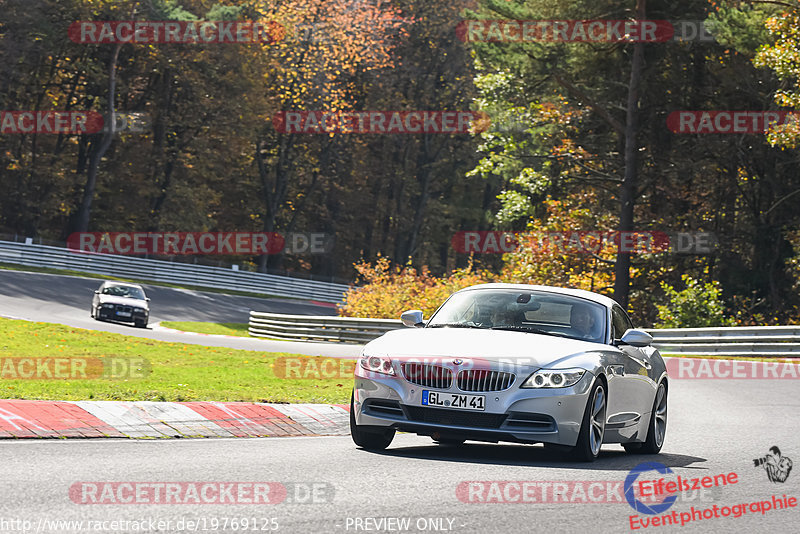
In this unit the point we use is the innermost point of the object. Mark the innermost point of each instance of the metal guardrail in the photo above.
(171, 272)
(319, 328)
(728, 341)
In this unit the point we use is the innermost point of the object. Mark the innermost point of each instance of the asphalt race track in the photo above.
(67, 299)
(715, 427)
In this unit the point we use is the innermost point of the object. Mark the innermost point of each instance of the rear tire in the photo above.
(590, 438)
(371, 438)
(656, 430)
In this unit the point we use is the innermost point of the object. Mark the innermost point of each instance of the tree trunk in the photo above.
(107, 136)
(628, 192)
(274, 194)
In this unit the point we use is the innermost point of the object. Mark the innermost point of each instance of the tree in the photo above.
(698, 305)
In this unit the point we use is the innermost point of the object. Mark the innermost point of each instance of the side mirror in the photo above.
(636, 338)
(147, 299)
(96, 291)
(412, 318)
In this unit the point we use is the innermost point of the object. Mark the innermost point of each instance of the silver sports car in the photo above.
(521, 363)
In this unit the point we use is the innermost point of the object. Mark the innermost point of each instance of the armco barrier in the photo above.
(319, 328)
(778, 341)
(171, 272)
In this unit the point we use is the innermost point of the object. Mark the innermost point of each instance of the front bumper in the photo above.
(125, 314)
(518, 415)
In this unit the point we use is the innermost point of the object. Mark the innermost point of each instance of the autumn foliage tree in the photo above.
(387, 290)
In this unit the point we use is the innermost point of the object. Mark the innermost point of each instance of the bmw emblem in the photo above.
(458, 361)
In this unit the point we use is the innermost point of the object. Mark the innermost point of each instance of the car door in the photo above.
(631, 372)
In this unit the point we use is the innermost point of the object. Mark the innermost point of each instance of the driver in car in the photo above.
(584, 322)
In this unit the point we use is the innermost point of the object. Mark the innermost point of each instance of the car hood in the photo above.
(125, 301)
(520, 348)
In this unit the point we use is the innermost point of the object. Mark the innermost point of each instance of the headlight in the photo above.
(377, 364)
(106, 305)
(554, 378)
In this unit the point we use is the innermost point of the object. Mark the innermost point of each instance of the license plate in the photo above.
(124, 314)
(453, 400)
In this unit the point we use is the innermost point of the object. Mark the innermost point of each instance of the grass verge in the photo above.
(177, 372)
(225, 329)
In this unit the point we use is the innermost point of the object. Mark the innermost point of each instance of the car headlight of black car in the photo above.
(554, 378)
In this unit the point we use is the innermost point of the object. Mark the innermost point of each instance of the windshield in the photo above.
(124, 291)
(526, 311)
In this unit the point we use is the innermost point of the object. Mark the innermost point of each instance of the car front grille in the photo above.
(112, 311)
(483, 380)
(427, 375)
(454, 417)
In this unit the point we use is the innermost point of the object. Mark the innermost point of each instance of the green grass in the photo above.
(178, 372)
(50, 270)
(226, 329)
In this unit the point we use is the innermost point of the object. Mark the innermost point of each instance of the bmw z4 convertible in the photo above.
(519, 363)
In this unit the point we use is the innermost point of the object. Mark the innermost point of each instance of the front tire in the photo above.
(369, 437)
(590, 438)
(656, 430)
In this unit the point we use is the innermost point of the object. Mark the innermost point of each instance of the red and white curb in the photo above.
(145, 419)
